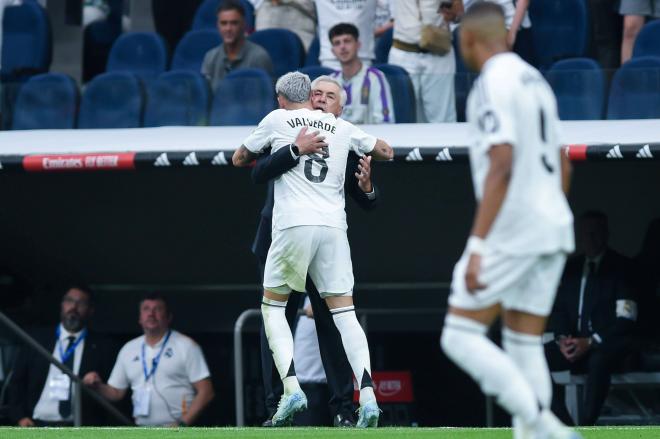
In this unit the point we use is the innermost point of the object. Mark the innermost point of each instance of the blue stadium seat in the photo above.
(47, 101)
(403, 93)
(315, 71)
(244, 97)
(312, 57)
(579, 85)
(647, 42)
(284, 47)
(383, 46)
(26, 40)
(206, 18)
(189, 53)
(178, 97)
(141, 53)
(112, 100)
(560, 30)
(635, 90)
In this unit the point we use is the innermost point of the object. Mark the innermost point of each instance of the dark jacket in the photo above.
(611, 284)
(270, 166)
(31, 371)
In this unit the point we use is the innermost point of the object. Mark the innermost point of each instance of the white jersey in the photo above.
(312, 193)
(512, 103)
(361, 13)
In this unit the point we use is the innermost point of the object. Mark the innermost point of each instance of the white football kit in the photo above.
(526, 247)
(309, 220)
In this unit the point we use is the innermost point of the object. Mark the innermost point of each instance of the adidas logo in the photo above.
(614, 153)
(643, 153)
(191, 160)
(219, 159)
(162, 160)
(414, 156)
(444, 156)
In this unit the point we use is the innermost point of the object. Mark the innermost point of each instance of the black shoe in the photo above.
(344, 421)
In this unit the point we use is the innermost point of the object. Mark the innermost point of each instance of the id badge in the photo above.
(59, 387)
(141, 401)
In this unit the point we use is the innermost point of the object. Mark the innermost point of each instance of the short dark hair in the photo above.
(597, 216)
(79, 286)
(343, 29)
(483, 8)
(231, 5)
(153, 295)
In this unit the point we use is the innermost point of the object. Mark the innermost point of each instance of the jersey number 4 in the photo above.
(323, 165)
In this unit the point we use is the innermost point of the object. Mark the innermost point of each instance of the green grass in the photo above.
(306, 433)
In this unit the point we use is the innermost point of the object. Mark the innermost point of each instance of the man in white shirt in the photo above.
(432, 75)
(369, 99)
(309, 235)
(362, 13)
(166, 371)
(522, 232)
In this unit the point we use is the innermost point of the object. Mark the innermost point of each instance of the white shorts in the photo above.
(523, 283)
(321, 251)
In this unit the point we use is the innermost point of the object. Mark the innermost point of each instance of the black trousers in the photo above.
(337, 368)
(598, 364)
(173, 18)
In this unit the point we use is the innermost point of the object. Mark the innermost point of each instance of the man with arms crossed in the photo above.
(522, 231)
(309, 234)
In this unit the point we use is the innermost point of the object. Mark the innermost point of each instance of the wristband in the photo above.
(295, 151)
(475, 245)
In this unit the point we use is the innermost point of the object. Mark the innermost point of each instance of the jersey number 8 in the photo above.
(309, 174)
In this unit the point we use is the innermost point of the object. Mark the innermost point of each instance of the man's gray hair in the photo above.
(294, 87)
(325, 78)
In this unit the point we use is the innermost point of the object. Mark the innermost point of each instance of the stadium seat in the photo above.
(647, 42)
(47, 101)
(312, 57)
(244, 97)
(403, 93)
(560, 30)
(206, 18)
(26, 41)
(635, 90)
(179, 97)
(383, 46)
(284, 47)
(315, 71)
(141, 53)
(579, 85)
(189, 53)
(112, 100)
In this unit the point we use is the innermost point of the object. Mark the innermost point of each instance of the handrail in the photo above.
(77, 382)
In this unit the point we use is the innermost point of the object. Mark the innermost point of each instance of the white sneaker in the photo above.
(288, 406)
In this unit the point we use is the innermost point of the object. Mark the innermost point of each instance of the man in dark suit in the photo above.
(358, 185)
(39, 394)
(594, 317)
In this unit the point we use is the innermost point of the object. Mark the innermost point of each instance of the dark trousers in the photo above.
(173, 18)
(337, 368)
(598, 365)
(606, 32)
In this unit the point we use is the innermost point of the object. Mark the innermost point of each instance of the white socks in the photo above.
(464, 341)
(357, 349)
(280, 341)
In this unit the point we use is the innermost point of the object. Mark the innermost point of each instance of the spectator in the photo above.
(594, 317)
(236, 51)
(606, 28)
(39, 393)
(298, 16)
(165, 369)
(384, 20)
(432, 75)
(173, 18)
(647, 281)
(634, 15)
(361, 13)
(369, 99)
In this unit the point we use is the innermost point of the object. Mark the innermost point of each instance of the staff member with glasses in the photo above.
(166, 370)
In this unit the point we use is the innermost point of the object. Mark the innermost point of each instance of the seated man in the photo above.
(236, 51)
(369, 99)
(39, 394)
(594, 317)
(165, 370)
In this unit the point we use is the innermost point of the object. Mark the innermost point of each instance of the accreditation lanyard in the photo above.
(65, 355)
(155, 361)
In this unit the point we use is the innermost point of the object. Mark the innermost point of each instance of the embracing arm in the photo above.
(382, 151)
(242, 157)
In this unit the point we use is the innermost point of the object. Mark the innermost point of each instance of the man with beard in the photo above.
(40, 394)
